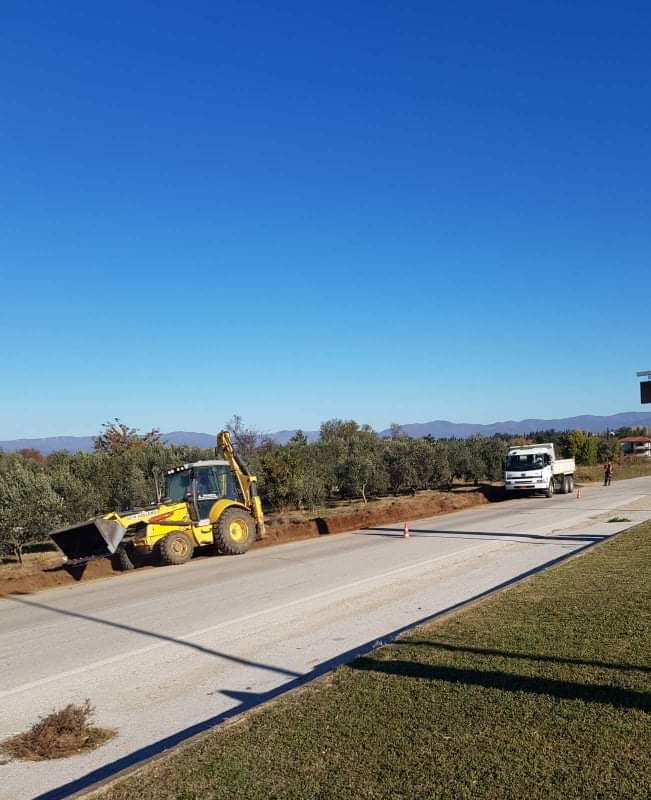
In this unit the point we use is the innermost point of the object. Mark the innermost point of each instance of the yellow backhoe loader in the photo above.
(204, 503)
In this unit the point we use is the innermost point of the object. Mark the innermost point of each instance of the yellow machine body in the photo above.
(152, 524)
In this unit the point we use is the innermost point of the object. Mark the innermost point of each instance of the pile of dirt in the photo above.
(379, 512)
(56, 573)
(49, 571)
(59, 734)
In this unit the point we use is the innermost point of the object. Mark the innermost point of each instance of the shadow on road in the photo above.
(153, 635)
(247, 700)
(524, 537)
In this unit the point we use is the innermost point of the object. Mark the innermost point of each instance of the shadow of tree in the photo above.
(526, 538)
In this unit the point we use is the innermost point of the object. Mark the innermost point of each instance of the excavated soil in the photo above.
(47, 571)
(53, 573)
(426, 504)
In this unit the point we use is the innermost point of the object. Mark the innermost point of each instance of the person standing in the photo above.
(608, 473)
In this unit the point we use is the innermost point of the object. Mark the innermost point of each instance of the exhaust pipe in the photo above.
(96, 538)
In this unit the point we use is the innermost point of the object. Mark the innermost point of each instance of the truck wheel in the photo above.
(234, 532)
(175, 548)
(549, 491)
(125, 557)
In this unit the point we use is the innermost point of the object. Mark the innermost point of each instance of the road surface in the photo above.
(166, 653)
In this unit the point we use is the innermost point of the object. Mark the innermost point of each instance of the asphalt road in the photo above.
(166, 653)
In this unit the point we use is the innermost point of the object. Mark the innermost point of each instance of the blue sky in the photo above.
(298, 211)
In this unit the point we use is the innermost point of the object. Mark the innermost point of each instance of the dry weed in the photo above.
(59, 734)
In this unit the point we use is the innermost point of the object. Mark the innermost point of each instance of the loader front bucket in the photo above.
(96, 538)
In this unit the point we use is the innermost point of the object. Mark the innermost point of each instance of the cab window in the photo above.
(228, 486)
(213, 484)
(178, 485)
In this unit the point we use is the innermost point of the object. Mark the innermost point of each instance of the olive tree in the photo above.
(361, 471)
(29, 507)
(116, 437)
(580, 445)
(289, 475)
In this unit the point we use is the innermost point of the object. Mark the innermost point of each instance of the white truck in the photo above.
(535, 468)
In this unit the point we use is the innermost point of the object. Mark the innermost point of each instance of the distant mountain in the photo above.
(282, 437)
(50, 444)
(84, 444)
(190, 439)
(587, 422)
(438, 429)
(443, 429)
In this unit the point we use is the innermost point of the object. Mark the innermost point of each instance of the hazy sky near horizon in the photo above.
(299, 211)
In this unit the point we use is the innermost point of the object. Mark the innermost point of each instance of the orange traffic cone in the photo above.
(578, 493)
(405, 532)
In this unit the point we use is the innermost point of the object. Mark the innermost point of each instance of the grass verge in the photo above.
(543, 691)
(628, 468)
(59, 734)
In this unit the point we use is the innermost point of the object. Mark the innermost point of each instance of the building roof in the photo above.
(635, 440)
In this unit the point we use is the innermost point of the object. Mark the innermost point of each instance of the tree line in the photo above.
(348, 461)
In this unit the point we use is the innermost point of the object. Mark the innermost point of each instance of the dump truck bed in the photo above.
(564, 466)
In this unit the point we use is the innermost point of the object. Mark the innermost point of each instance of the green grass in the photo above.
(541, 692)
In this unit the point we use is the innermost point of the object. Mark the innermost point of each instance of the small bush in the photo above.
(59, 734)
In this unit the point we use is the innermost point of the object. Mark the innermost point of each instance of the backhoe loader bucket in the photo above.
(96, 538)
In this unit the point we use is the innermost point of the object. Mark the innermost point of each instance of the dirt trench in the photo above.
(49, 572)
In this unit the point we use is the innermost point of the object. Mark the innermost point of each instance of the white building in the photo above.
(636, 446)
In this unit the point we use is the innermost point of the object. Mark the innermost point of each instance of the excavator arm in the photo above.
(248, 483)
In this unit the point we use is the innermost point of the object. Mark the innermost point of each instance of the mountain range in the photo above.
(439, 429)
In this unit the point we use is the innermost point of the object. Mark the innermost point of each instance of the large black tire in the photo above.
(570, 483)
(125, 557)
(234, 532)
(175, 548)
(549, 491)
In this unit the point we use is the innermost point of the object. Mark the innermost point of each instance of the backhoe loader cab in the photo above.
(205, 503)
(200, 485)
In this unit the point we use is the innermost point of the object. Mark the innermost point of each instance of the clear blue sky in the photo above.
(295, 211)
